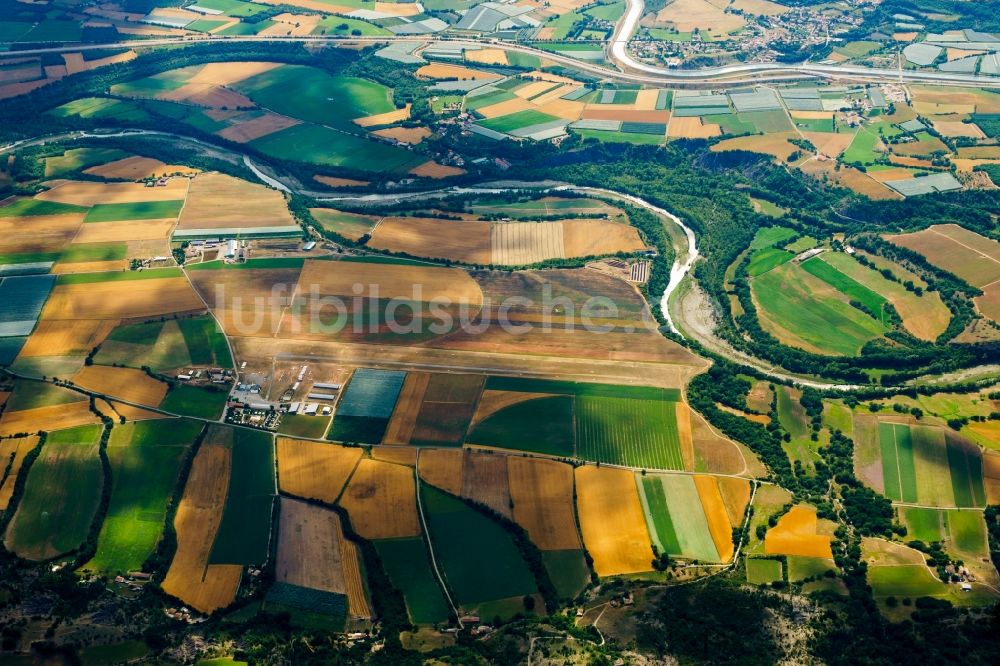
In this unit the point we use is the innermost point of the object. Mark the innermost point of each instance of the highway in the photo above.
(629, 69)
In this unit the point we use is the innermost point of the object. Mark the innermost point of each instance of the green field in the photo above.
(767, 122)
(77, 159)
(194, 401)
(544, 425)
(903, 581)
(206, 343)
(314, 144)
(845, 285)
(148, 210)
(158, 345)
(61, 496)
(409, 568)
(298, 425)
(119, 276)
(966, 466)
(583, 389)
(769, 236)
(675, 515)
(789, 298)
(358, 429)
(800, 568)
(145, 461)
(342, 25)
(467, 544)
(862, 148)
(102, 108)
(922, 524)
(33, 207)
(967, 531)
(81, 252)
(761, 571)
(567, 570)
(610, 136)
(116, 653)
(514, 121)
(312, 95)
(348, 225)
(245, 531)
(897, 462)
(791, 415)
(814, 124)
(766, 259)
(622, 431)
(29, 395)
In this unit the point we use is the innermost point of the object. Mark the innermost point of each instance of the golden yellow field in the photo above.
(487, 56)
(404, 416)
(692, 128)
(831, 144)
(46, 233)
(128, 384)
(12, 452)
(612, 521)
(131, 413)
(88, 193)
(313, 553)
(583, 238)
(107, 232)
(330, 181)
(442, 468)
(125, 299)
(67, 337)
(314, 470)
(735, 496)
(387, 118)
(795, 534)
(381, 499)
(716, 515)
(55, 417)
(991, 476)
(400, 455)
(218, 201)
(775, 144)
(542, 493)
(190, 578)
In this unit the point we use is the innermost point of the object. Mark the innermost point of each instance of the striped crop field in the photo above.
(897, 462)
(636, 433)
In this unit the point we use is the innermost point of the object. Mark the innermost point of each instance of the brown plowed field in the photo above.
(404, 416)
(88, 193)
(128, 384)
(219, 201)
(492, 402)
(612, 521)
(190, 579)
(67, 337)
(247, 302)
(246, 132)
(431, 169)
(443, 468)
(125, 299)
(974, 258)
(135, 168)
(312, 553)
(314, 470)
(542, 493)
(447, 409)
(457, 240)
(484, 480)
(381, 500)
